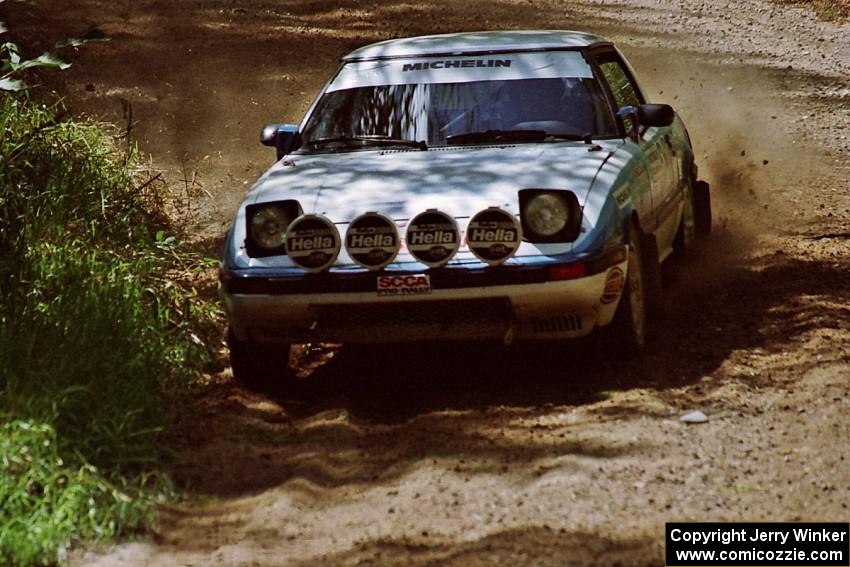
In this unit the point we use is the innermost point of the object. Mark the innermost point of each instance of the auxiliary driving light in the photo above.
(312, 242)
(372, 240)
(432, 238)
(493, 235)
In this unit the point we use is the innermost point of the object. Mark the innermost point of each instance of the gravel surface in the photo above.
(534, 454)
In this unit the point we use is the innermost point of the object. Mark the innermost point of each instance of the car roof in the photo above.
(475, 42)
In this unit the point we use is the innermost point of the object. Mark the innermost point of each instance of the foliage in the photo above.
(13, 65)
(99, 334)
(47, 501)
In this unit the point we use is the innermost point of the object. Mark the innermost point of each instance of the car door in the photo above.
(652, 143)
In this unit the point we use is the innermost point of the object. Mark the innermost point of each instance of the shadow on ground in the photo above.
(370, 413)
(715, 305)
(541, 546)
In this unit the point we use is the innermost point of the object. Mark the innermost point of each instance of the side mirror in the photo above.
(284, 137)
(268, 137)
(655, 114)
(644, 115)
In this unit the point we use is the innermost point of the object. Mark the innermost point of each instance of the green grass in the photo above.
(100, 335)
(827, 10)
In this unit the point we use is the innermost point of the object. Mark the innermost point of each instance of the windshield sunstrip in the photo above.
(411, 70)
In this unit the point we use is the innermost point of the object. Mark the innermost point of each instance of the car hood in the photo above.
(402, 183)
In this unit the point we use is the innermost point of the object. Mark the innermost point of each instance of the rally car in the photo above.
(493, 185)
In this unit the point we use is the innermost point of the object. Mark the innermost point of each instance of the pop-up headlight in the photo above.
(549, 215)
(266, 227)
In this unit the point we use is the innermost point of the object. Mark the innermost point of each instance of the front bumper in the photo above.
(466, 303)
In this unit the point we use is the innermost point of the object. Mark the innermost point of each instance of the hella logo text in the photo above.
(491, 235)
(371, 240)
(297, 243)
(431, 237)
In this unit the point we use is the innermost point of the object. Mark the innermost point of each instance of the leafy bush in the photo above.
(98, 336)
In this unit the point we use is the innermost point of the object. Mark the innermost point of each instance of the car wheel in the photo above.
(687, 234)
(261, 366)
(702, 208)
(641, 296)
(653, 288)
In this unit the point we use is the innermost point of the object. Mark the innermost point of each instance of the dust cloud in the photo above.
(742, 133)
(747, 147)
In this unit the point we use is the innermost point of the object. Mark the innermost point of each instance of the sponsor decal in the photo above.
(372, 240)
(623, 195)
(414, 284)
(461, 69)
(312, 242)
(432, 238)
(493, 235)
(456, 64)
(614, 282)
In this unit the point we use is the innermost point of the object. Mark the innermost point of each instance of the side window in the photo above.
(622, 87)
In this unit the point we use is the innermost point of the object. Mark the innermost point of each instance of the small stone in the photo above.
(694, 417)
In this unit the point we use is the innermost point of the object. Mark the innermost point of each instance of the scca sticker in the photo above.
(412, 284)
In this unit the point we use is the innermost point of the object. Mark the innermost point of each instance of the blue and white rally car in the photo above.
(493, 185)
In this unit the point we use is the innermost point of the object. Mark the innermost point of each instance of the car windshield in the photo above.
(356, 112)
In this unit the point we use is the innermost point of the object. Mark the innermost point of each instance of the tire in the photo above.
(683, 244)
(653, 288)
(260, 366)
(641, 297)
(702, 208)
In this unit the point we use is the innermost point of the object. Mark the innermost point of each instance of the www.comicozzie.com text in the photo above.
(755, 534)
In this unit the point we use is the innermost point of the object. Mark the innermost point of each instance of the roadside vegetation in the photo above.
(101, 331)
(828, 10)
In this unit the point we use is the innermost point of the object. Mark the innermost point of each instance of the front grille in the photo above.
(412, 320)
(557, 324)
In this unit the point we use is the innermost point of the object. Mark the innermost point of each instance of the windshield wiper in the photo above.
(571, 137)
(514, 136)
(497, 136)
(370, 139)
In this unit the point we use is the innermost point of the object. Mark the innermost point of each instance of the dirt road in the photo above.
(530, 455)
